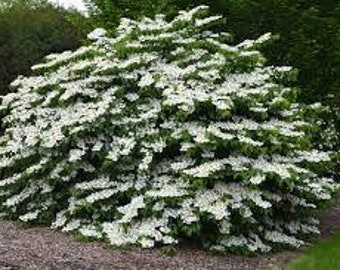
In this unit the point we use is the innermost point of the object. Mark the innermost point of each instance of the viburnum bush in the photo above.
(162, 133)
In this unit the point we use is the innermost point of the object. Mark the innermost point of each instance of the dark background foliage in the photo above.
(31, 29)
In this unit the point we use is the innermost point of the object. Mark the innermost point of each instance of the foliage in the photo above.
(162, 133)
(309, 39)
(6, 4)
(108, 13)
(323, 255)
(31, 29)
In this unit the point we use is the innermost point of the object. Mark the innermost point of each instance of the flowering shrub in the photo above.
(164, 133)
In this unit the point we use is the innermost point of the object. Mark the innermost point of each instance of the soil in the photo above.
(43, 249)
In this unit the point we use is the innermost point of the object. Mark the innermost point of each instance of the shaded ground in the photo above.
(42, 249)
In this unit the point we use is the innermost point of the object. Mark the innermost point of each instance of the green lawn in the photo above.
(324, 255)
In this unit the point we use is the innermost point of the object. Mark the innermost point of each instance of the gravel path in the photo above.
(42, 249)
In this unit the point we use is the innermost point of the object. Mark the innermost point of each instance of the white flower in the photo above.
(130, 210)
(257, 179)
(205, 169)
(167, 191)
(97, 34)
(72, 225)
(278, 237)
(60, 220)
(30, 216)
(169, 240)
(90, 231)
(146, 243)
(132, 97)
(76, 154)
(144, 165)
(146, 80)
(224, 226)
(98, 146)
(100, 195)
(100, 183)
(201, 22)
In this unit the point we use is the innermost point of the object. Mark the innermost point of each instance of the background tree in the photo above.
(30, 29)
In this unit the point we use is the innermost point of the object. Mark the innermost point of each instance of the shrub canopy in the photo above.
(309, 39)
(161, 133)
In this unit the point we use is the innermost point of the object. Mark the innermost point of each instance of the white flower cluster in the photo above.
(161, 131)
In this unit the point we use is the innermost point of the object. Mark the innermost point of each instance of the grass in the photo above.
(324, 255)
